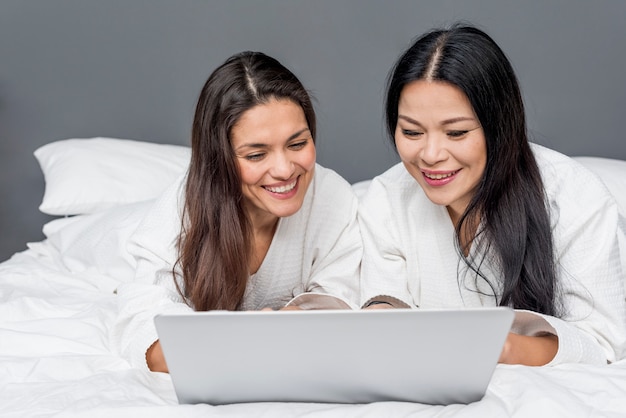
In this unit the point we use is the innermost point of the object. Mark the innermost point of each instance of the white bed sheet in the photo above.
(55, 361)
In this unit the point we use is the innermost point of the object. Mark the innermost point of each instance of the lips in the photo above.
(283, 188)
(439, 178)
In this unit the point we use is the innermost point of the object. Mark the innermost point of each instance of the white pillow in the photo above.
(89, 175)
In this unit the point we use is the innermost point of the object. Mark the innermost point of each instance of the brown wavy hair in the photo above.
(215, 243)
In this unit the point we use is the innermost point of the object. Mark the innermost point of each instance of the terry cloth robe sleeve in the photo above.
(332, 244)
(153, 290)
(586, 230)
(410, 258)
(384, 276)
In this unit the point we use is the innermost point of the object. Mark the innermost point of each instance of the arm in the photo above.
(152, 291)
(591, 327)
(155, 358)
(529, 350)
(384, 277)
(334, 250)
(133, 332)
(332, 247)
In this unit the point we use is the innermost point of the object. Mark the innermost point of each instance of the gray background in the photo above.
(133, 69)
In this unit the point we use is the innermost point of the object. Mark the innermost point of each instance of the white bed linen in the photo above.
(55, 361)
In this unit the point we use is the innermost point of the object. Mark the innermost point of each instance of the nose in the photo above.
(282, 166)
(433, 149)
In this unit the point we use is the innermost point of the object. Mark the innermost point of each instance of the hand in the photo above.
(285, 308)
(156, 359)
(379, 305)
(291, 308)
(530, 351)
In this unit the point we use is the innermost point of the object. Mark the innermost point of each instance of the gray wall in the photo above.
(133, 69)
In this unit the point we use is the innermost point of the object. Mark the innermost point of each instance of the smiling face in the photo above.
(276, 159)
(441, 143)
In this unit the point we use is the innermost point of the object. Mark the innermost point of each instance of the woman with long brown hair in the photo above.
(255, 223)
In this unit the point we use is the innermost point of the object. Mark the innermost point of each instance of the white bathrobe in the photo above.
(410, 258)
(314, 252)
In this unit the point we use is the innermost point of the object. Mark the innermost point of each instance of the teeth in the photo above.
(282, 189)
(439, 176)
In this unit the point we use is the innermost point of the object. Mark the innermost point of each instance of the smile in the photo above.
(440, 176)
(282, 189)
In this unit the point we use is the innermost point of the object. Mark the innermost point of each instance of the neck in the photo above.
(263, 233)
(263, 225)
(467, 232)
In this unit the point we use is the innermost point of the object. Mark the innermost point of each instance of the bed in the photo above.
(57, 304)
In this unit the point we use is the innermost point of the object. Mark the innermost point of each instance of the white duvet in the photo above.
(57, 306)
(55, 361)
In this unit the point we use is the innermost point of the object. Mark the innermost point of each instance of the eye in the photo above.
(298, 145)
(456, 134)
(411, 134)
(255, 157)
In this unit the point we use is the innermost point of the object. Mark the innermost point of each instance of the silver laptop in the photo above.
(427, 356)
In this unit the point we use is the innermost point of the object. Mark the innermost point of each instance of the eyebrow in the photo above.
(261, 145)
(445, 122)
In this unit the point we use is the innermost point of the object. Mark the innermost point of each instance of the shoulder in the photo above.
(160, 227)
(328, 181)
(170, 204)
(573, 192)
(394, 187)
(562, 176)
(330, 196)
(550, 159)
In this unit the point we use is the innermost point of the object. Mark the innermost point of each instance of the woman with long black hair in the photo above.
(475, 215)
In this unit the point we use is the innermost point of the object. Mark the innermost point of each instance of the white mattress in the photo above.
(55, 361)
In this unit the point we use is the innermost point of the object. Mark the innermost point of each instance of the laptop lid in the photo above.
(337, 356)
